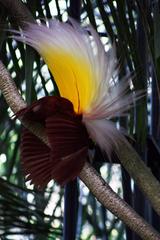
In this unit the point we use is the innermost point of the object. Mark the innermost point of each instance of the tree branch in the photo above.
(105, 195)
(141, 174)
(88, 175)
(18, 12)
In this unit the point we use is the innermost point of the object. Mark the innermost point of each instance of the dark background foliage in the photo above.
(25, 213)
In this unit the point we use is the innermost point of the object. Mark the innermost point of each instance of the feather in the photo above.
(76, 58)
(35, 157)
(67, 136)
(105, 134)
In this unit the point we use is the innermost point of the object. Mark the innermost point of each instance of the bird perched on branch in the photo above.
(88, 101)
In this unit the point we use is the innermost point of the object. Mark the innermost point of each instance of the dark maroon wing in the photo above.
(35, 156)
(45, 107)
(40, 109)
(67, 136)
(69, 139)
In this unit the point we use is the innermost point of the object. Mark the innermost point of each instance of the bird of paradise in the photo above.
(87, 102)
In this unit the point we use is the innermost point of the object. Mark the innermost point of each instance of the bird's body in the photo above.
(83, 73)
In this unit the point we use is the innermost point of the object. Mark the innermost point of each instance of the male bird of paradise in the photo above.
(83, 72)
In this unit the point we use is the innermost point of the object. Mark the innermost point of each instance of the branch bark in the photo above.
(103, 192)
(18, 12)
(141, 174)
(88, 175)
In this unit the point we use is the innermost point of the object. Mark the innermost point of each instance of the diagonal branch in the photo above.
(88, 175)
(141, 174)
